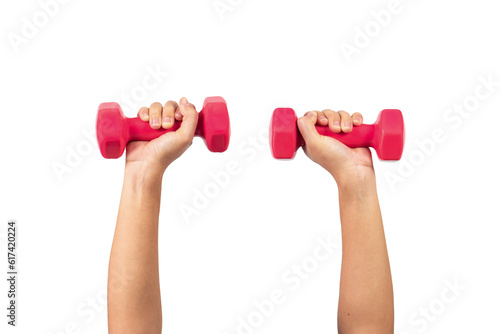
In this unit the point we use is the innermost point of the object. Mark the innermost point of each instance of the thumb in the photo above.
(306, 125)
(189, 119)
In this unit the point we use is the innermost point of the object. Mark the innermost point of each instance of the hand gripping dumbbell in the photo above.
(386, 135)
(114, 130)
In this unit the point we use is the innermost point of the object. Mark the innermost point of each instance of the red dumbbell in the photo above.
(386, 135)
(114, 130)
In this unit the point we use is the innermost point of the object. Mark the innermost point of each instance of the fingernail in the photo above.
(323, 118)
(348, 124)
(167, 120)
(145, 116)
(156, 121)
(309, 114)
(336, 124)
(357, 120)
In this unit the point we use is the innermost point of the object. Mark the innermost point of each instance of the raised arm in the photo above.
(366, 294)
(134, 304)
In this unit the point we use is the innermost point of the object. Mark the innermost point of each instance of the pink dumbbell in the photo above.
(114, 130)
(386, 135)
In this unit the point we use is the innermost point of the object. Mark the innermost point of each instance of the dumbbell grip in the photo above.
(140, 130)
(360, 136)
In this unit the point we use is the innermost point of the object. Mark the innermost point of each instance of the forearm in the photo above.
(366, 294)
(134, 304)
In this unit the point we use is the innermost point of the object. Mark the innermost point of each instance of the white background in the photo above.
(441, 216)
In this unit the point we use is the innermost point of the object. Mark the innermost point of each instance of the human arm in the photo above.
(366, 294)
(134, 304)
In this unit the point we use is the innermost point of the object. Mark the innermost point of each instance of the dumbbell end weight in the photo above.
(389, 138)
(112, 134)
(213, 124)
(284, 136)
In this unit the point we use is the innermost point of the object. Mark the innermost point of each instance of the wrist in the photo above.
(358, 177)
(143, 174)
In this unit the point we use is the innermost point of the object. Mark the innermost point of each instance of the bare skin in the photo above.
(366, 302)
(134, 304)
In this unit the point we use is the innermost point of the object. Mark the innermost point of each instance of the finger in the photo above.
(322, 120)
(189, 119)
(168, 114)
(155, 115)
(143, 114)
(178, 115)
(345, 121)
(306, 125)
(333, 120)
(357, 119)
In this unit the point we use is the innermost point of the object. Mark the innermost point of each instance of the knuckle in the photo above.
(171, 105)
(344, 115)
(313, 112)
(302, 120)
(194, 114)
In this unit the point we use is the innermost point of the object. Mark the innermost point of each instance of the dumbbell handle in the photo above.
(140, 130)
(361, 136)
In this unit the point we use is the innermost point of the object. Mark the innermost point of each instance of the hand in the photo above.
(342, 162)
(159, 153)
